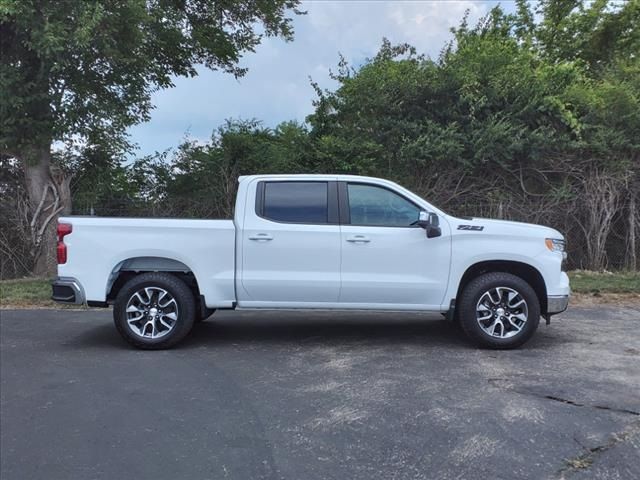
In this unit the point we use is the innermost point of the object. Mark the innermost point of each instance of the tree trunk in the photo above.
(632, 260)
(49, 196)
(600, 202)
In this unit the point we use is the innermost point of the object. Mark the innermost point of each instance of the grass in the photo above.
(36, 292)
(26, 292)
(583, 281)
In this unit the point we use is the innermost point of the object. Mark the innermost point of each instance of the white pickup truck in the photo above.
(314, 242)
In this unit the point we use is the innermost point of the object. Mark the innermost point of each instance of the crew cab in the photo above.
(314, 242)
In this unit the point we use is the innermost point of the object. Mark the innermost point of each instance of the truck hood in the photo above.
(492, 226)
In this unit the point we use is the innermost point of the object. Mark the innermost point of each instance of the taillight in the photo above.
(63, 230)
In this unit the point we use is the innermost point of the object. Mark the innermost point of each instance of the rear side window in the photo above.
(296, 202)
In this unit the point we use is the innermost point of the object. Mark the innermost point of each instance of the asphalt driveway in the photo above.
(318, 396)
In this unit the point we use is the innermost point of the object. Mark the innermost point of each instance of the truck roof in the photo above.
(331, 176)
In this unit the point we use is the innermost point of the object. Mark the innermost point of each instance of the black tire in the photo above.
(186, 310)
(471, 296)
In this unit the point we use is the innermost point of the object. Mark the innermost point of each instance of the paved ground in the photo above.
(319, 396)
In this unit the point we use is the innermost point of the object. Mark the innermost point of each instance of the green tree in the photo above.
(83, 71)
(200, 179)
(518, 117)
(597, 32)
(100, 183)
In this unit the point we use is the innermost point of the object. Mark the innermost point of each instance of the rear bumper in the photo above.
(557, 303)
(67, 290)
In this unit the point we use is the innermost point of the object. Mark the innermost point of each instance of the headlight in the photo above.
(555, 244)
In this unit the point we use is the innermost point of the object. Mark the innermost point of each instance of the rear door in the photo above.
(291, 245)
(387, 260)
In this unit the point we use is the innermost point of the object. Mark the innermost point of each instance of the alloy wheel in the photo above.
(502, 312)
(152, 312)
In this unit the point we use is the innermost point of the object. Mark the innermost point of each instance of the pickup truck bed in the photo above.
(100, 248)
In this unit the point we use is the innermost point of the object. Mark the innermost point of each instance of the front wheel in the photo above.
(154, 311)
(499, 310)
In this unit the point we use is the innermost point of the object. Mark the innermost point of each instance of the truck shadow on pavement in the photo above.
(317, 328)
(337, 330)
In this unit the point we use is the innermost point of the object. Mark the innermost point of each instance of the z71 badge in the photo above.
(476, 228)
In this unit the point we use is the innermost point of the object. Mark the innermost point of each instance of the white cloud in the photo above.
(277, 88)
(426, 25)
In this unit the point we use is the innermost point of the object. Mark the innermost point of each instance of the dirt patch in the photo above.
(619, 299)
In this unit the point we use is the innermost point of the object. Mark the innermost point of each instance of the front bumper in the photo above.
(557, 304)
(67, 290)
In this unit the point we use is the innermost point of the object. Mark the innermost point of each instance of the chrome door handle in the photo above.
(265, 237)
(358, 239)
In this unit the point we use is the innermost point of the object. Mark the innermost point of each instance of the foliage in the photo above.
(85, 70)
(515, 119)
(529, 116)
(81, 72)
(16, 258)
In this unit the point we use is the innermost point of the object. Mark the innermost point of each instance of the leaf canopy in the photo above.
(85, 70)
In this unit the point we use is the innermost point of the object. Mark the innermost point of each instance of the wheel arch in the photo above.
(129, 268)
(527, 272)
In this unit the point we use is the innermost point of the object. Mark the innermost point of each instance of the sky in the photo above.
(277, 88)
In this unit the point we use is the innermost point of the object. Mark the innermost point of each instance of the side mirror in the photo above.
(430, 222)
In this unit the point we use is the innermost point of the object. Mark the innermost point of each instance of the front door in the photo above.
(291, 246)
(387, 260)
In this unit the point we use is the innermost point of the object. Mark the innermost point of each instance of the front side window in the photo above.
(370, 205)
(296, 202)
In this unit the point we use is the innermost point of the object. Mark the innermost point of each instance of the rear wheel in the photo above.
(499, 310)
(154, 311)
